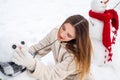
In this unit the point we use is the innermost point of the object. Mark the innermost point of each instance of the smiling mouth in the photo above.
(104, 6)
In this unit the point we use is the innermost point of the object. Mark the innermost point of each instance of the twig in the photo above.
(116, 5)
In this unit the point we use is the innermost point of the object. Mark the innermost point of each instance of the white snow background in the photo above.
(38, 17)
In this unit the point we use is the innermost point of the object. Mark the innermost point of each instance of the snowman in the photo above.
(9, 41)
(103, 31)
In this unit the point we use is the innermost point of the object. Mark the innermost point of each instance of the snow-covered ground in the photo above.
(38, 17)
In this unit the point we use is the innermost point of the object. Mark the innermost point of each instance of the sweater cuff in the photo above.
(32, 68)
(38, 70)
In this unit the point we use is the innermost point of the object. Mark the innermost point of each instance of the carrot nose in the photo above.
(20, 47)
(106, 2)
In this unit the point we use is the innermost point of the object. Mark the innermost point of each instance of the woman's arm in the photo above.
(55, 72)
(42, 48)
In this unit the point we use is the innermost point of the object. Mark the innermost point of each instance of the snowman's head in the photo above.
(99, 5)
(9, 41)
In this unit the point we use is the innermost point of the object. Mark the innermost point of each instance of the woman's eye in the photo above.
(69, 35)
(14, 46)
(23, 42)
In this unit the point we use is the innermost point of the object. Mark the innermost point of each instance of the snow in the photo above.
(38, 17)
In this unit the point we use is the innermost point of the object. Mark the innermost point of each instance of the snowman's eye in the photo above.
(14, 46)
(101, 1)
(22, 42)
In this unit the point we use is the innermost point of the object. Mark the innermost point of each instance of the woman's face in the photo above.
(66, 32)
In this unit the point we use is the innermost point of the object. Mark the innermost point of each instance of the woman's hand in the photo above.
(24, 58)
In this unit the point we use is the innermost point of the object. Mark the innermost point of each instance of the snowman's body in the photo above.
(96, 28)
(7, 39)
(100, 53)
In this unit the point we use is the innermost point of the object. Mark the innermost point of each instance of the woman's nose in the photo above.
(63, 35)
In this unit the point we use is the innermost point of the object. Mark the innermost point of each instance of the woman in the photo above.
(71, 47)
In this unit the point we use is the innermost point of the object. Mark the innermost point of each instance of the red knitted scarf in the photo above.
(109, 16)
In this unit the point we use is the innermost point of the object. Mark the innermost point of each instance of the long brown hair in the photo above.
(80, 46)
